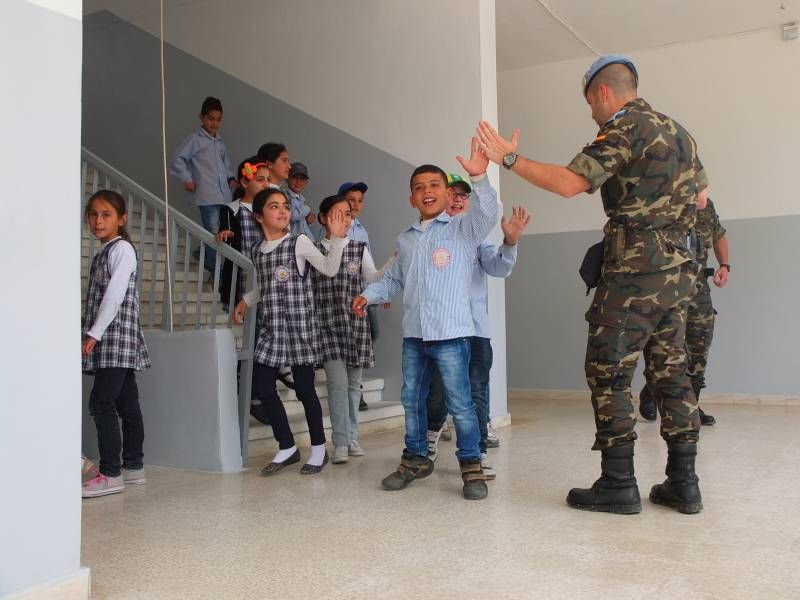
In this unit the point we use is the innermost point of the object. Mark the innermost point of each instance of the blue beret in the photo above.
(602, 62)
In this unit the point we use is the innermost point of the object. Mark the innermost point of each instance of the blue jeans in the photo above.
(451, 359)
(480, 363)
(209, 215)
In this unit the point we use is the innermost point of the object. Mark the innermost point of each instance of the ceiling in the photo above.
(528, 34)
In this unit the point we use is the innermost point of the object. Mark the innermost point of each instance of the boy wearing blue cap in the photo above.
(301, 218)
(434, 271)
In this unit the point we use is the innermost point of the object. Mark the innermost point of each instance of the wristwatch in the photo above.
(727, 266)
(509, 160)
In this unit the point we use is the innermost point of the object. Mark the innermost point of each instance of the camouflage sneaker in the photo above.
(411, 467)
(474, 479)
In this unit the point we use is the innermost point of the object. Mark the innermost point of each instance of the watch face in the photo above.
(509, 159)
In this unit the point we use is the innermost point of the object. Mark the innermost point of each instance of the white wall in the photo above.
(738, 96)
(40, 405)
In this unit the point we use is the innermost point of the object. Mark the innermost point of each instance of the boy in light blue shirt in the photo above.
(204, 168)
(301, 217)
(489, 260)
(434, 271)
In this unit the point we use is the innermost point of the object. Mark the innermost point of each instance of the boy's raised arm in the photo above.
(479, 221)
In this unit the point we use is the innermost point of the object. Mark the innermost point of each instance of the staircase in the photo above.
(195, 305)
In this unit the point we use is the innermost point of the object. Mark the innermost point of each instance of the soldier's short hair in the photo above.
(616, 76)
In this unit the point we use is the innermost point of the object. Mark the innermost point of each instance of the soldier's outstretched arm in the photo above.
(553, 178)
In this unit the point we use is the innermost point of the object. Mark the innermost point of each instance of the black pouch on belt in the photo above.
(592, 266)
(709, 272)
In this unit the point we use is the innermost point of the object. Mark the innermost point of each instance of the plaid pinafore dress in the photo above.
(123, 344)
(288, 331)
(344, 335)
(252, 236)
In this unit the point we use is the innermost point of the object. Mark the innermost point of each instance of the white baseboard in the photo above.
(74, 587)
(705, 398)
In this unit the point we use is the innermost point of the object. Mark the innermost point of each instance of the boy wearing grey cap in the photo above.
(301, 216)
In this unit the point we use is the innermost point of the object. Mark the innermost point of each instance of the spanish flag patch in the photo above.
(599, 138)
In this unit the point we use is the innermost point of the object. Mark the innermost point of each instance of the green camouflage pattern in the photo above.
(708, 230)
(647, 169)
(631, 314)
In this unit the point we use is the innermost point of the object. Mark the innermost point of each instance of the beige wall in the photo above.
(739, 96)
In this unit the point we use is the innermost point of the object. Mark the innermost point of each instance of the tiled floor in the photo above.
(195, 535)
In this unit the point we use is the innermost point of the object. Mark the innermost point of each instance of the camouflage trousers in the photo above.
(631, 314)
(700, 317)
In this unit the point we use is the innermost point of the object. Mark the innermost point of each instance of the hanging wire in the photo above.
(168, 265)
(568, 27)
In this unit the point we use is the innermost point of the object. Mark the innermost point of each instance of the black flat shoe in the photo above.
(308, 469)
(362, 406)
(259, 413)
(276, 467)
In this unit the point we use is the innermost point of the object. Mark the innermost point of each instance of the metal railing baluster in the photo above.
(186, 253)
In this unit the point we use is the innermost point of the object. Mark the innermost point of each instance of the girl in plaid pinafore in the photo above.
(346, 338)
(288, 330)
(113, 348)
(237, 225)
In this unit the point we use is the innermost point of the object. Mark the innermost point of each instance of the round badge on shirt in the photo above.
(352, 267)
(282, 274)
(441, 258)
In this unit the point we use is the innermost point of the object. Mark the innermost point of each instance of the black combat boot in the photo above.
(680, 490)
(616, 490)
(647, 405)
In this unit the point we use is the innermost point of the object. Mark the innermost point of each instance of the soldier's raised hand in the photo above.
(515, 226)
(494, 145)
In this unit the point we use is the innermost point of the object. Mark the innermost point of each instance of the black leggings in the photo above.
(115, 397)
(264, 389)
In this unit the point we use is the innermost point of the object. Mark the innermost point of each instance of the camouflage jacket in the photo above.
(648, 172)
(709, 231)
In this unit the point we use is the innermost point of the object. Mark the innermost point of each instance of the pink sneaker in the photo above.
(102, 486)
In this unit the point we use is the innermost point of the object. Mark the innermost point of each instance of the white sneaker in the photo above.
(340, 455)
(133, 476)
(433, 444)
(492, 439)
(355, 449)
(102, 486)
(446, 432)
(487, 469)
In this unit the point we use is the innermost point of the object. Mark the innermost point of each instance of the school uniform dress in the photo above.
(346, 339)
(247, 233)
(288, 329)
(112, 318)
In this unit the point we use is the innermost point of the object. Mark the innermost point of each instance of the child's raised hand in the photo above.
(189, 186)
(88, 345)
(513, 227)
(224, 235)
(358, 306)
(238, 312)
(310, 218)
(337, 224)
(478, 161)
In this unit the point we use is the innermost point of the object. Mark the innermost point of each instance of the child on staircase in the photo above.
(113, 348)
(288, 330)
(346, 339)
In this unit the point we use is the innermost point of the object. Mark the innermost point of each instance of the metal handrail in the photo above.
(183, 231)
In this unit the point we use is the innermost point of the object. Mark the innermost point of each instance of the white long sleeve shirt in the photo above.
(368, 271)
(121, 263)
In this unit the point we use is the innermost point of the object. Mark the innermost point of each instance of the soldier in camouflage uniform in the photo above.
(700, 314)
(651, 178)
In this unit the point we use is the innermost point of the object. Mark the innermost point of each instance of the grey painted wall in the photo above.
(191, 418)
(755, 341)
(121, 77)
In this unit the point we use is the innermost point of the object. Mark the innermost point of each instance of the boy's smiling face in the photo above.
(429, 195)
(458, 197)
(356, 200)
